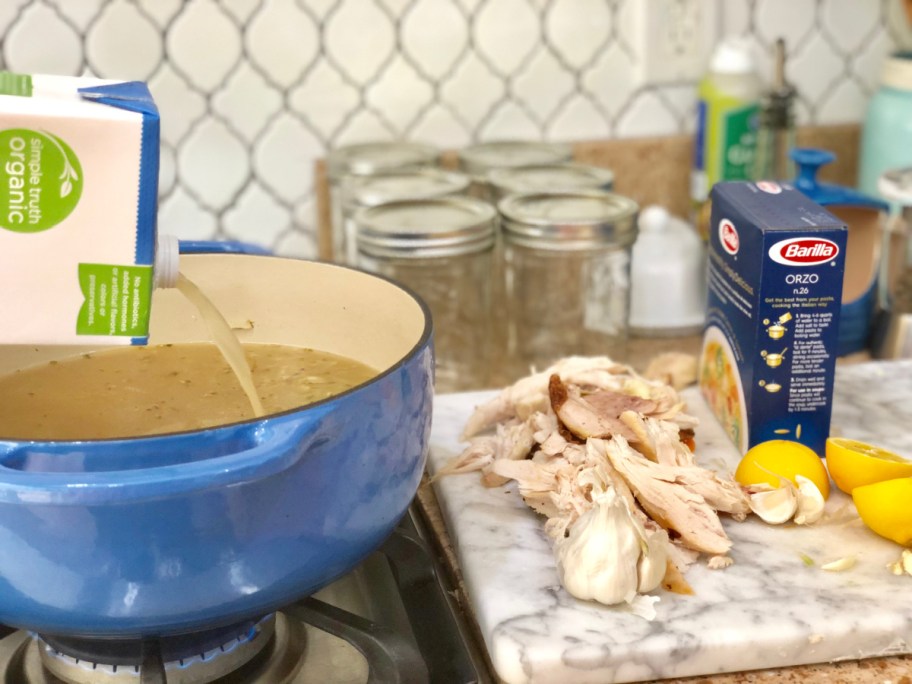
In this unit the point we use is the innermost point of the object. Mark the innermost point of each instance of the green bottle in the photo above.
(728, 106)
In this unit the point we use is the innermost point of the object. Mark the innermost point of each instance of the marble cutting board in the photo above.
(769, 609)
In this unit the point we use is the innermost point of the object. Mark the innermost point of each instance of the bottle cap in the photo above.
(167, 257)
(732, 56)
(897, 71)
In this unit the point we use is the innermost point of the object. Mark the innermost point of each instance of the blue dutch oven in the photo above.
(159, 535)
(862, 215)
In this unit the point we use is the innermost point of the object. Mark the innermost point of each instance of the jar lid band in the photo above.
(477, 160)
(569, 220)
(443, 226)
(364, 159)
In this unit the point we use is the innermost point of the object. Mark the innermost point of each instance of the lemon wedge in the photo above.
(767, 462)
(884, 507)
(854, 464)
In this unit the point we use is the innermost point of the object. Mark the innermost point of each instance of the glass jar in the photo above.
(442, 249)
(566, 276)
(391, 186)
(367, 159)
(548, 178)
(478, 160)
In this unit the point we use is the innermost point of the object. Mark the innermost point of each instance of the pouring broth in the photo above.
(135, 391)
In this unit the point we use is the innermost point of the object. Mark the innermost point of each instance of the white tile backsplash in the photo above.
(578, 29)
(647, 114)
(32, 32)
(256, 216)
(543, 84)
(252, 92)
(818, 67)
(578, 117)
(282, 42)
(123, 39)
(435, 34)
(248, 101)
(360, 39)
(793, 20)
(611, 80)
(506, 32)
(214, 164)
(850, 24)
(180, 104)
(204, 44)
(401, 93)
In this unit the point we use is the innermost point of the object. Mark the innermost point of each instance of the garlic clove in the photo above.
(840, 564)
(775, 506)
(653, 561)
(810, 502)
(903, 565)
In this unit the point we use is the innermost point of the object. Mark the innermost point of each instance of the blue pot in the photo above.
(861, 213)
(165, 534)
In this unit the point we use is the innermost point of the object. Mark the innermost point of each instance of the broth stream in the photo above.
(224, 339)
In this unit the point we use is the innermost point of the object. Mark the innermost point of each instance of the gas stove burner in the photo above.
(392, 620)
(272, 655)
(196, 658)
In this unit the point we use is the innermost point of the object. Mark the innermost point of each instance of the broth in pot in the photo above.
(137, 391)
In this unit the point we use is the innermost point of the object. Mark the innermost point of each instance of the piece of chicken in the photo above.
(595, 415)
(512, 440)
(673, 368)
(672, 505)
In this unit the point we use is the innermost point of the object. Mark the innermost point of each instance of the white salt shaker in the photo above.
(668, 277)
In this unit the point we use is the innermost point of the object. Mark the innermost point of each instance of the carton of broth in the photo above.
(79, 176)
(776, 262)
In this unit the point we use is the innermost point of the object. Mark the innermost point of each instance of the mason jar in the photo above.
(479, 160)
(549, 178)
(566, 276)
(442, 249)
(367, 159)
(369, 191)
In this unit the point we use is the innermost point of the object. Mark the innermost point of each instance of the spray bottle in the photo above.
(727, 120)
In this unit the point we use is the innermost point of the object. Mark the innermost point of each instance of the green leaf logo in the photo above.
(40, 180)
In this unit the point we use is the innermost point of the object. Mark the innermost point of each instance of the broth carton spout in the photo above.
(79, 164)
(776, 263)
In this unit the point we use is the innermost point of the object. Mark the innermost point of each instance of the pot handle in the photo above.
(221, 247)
(274, 448)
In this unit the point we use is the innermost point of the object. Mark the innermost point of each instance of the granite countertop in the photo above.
(882, 670)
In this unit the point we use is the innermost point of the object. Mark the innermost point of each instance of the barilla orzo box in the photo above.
(776, 262)
(78, 203)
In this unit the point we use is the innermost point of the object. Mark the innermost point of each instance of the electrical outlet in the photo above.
(674, 39)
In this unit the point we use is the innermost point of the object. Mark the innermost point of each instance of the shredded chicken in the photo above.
(719, 562)
(672, 506)
(604, 453)
(530, 394)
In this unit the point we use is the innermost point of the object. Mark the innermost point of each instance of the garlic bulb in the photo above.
(608, 556)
